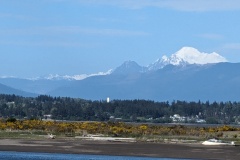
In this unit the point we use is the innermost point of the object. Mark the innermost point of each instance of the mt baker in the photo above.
(186, 75)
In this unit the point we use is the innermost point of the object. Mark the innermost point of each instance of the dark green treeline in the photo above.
(65, 108)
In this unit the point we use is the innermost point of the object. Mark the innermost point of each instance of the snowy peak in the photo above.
(187, 55)
(193, 56)
(159, 63)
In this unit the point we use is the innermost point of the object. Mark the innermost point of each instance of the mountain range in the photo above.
(186, 75)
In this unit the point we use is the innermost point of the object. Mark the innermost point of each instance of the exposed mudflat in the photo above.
(149, 149)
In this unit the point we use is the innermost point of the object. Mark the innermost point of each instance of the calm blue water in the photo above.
(49, 156)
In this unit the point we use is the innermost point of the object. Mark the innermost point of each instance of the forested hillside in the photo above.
(64, 108)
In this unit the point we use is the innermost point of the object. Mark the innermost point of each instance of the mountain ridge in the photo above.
(191, 83)
(167, 79)
(4, 89)
(184, 56)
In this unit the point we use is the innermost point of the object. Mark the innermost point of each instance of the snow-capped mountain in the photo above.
(187, 55)
(215, 82)
(68, 77)
(159, 63)
(185, 75)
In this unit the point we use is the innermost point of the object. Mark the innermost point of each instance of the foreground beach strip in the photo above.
(145, 149)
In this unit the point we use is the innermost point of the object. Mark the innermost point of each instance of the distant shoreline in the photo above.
(143, 149)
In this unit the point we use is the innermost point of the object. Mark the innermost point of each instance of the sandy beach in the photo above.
(161, 150)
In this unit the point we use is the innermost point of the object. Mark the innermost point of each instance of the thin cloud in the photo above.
(15, 16)
(52, 43)
(63, 31)
(211, 36)
(182, 5)
(92, 31)
(73, 30)
(232, 46)
(203, 5)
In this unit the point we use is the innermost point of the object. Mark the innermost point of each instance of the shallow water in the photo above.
(55, 156)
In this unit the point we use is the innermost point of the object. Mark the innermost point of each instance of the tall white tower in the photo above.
(108, 99)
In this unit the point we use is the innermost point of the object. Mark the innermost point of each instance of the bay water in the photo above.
(10, 155)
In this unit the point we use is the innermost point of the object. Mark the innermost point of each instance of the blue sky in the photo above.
(72, 37)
